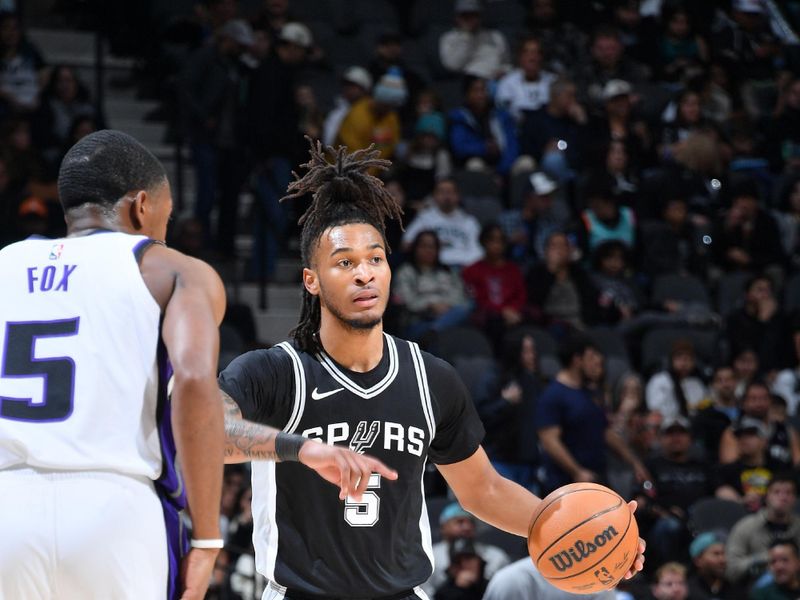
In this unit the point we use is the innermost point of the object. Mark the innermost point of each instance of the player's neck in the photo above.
(358, 350)
(86, 219)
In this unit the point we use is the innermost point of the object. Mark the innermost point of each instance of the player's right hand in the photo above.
(196, 569)
(343, 467)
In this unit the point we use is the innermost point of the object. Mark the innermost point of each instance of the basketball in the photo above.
(583, 538)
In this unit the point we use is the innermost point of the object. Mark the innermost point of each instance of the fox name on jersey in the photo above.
(394, 436)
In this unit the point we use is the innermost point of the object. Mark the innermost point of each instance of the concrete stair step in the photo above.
(147, 133)
(274, 326)
(73, 48)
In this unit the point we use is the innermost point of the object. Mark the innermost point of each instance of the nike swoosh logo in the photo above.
(319, 396)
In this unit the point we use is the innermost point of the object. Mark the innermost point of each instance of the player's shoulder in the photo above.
(261, 360)
(435, 367)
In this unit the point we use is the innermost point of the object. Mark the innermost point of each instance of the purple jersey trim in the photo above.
(169, 486)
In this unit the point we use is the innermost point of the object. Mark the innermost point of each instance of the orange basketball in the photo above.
(583, 538)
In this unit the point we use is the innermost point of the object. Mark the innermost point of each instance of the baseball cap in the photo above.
(750, 425)
(749, 6)
(453, 511)
(296, 33)
(239, 31)
(703, 542)
(675, 422)
(359, 76)
(391, 88)
(616, 87)
(542, 184)
(468, 6)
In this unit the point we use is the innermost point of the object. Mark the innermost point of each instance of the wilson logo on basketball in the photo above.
(564, 559)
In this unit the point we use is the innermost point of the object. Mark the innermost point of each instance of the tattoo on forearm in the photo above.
(244, 438)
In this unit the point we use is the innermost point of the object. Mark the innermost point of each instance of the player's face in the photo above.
(351, 275)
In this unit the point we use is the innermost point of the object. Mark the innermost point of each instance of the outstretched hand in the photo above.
(343, 467)
(638, 563)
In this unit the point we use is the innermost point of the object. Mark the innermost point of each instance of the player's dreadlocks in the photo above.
(343, 192)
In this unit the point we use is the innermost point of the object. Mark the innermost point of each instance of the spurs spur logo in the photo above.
(564, 559)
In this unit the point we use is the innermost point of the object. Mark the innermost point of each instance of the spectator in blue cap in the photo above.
(708, 581)
(456, 523)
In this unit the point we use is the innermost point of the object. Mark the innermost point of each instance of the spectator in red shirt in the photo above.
(496, 285)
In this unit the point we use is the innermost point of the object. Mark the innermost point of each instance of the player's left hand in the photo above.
(196, 568)
(638, 563)
(343, 467)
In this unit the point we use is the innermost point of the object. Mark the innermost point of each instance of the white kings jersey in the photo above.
(79, 347)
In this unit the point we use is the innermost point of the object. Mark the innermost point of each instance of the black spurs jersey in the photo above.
(410, 409)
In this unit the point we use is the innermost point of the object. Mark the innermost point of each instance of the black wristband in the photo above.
(287, 446)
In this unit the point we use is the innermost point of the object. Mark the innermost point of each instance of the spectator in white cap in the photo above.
(356, 84)
(469, 48)
(295, 43)
(616, 123)
(542, 213)
(375, 120)
(528, 86)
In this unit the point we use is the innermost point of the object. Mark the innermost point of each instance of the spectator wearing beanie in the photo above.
(427, 159)
(374, 120)
(708, 582)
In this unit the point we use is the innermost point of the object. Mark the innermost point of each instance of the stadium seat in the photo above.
(476, 184)
(505, 12)
(473, 371)
(684, 288)
(657, 343)
(610, 341)
(462, 341)
(512, 544)
(730, 292)
(486, 209)
(791, 294)
(440, 13)
(714, 514)
(376, 14)
(436, 505)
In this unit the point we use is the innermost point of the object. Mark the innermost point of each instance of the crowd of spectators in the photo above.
(602, 207)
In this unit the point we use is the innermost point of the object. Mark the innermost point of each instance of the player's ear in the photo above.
(310, 281)
(139, 204)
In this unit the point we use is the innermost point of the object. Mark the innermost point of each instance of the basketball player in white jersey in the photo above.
(92, 327)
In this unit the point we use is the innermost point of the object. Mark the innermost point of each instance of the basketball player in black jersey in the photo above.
(341, 380)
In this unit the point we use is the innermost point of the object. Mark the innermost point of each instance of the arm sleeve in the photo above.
(459, 431)
(261, 382)
(740, 557)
